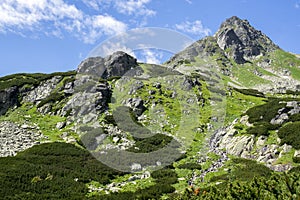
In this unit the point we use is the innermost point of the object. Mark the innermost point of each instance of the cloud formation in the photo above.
(54, 17)
(134, 7)
(194, 28)
(151, 56)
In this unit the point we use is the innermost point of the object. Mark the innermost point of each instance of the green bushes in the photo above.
(265, 112)
(276, 186)
(261, 128)
(153, 143)
(109, 119)
(29, 79)
(294, 118)
(246, 170)
(290, 133)
(250, 92)
(296, 159)
(261, 116)
(51, 171)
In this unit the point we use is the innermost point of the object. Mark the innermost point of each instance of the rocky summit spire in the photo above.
(241, 41)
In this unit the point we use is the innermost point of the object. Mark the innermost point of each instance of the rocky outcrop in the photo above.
(241, 41)
(90, 98)
(42, 91)
(8, 99)
(225, 138)
(249, 147)
(116, 64)
(15, 138)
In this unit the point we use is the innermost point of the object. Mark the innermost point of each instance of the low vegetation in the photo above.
(22, 79)
(290, 133)
(51, 171)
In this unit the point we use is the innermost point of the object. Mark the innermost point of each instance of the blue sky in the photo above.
(56, 35)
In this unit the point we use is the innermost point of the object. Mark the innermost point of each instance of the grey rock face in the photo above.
(116, 64)
(241, 41)
(8, 99)
(90, 97)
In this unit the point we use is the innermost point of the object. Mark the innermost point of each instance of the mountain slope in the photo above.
(247, 56)
(223, 111)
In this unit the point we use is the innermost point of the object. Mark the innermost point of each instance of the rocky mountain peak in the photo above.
(241, 41)
(116, 64)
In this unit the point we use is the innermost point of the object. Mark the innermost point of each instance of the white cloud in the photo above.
(98, 4)
(53, 17)
(151, 56)
(134, 7)
(99, 25)
(127, 7)
(297, 5)
(194, 28)
(22, 13)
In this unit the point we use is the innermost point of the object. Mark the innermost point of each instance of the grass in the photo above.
(238, 103)
(287, 158)
(28, 114)
(244, 75)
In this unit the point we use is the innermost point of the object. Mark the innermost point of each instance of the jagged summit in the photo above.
(241, 41)
(236, 39)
